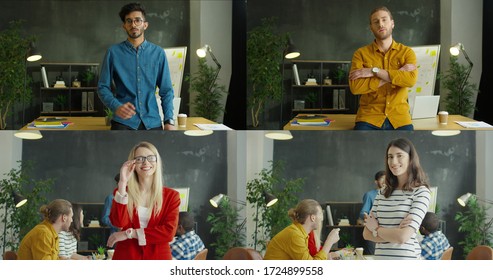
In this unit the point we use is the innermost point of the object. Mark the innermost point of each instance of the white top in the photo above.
(144, 215)
(390, 212)
(68, 244)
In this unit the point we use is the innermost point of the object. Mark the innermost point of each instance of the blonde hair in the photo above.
(156, 196)
(55, 209)
(305, 208)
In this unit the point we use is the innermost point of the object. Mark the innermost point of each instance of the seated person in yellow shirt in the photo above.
(292, 242)
(41, 243)
(381, 74)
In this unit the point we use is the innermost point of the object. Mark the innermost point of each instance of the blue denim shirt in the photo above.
(136, 73)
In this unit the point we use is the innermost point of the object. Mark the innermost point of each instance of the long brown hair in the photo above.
(416, 175)
(76, 221)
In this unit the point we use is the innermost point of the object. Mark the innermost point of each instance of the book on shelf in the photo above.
(329, 216)
(296, 76)
(342, 99)
(84, 101)
(90, 101)
(311, 82)
(45, 77)
(335, 99)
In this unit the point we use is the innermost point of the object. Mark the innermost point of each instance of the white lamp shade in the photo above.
(292, 55)
(445, 132)
(216, 199)
(455, 49)
(462, 200)
(202, 52)
(279, 135)
(28, 134)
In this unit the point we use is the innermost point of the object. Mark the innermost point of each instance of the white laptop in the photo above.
(425, 107)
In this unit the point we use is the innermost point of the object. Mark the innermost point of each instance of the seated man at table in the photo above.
(187, 243)
(434, 242)
(292, 242)
(41, 243)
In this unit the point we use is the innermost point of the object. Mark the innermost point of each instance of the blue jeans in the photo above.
(385, 126)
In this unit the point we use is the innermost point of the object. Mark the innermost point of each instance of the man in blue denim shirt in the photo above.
(136, 67)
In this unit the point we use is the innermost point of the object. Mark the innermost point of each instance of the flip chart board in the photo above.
(427, 63)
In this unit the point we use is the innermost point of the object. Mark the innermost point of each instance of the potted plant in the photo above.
(271, 220)
(207, 102)
(475, 225)
(459, 100)
(264, 56)
(226, 228)
(21, 220)
(61, 101)
(109, 116)
(88, 76)
(13, 48)
(311, 99)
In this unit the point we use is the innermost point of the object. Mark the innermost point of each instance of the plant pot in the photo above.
(107, 121)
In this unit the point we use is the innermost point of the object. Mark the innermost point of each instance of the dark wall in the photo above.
(82, 31)
(333, 30)
(84, 163)
(340, 166)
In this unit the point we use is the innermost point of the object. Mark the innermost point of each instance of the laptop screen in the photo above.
(425, 107)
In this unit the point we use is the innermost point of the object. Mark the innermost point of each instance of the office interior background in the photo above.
(75, 31)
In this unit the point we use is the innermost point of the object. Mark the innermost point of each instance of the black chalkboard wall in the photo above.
(333, 30)
(84, 163)
(340, 166)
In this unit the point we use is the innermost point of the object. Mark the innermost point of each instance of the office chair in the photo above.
(481, 252)
(10, 255)
(242, 253)
(202, 255)
(447, 254)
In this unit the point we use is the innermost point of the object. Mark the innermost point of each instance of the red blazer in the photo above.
(159, 232)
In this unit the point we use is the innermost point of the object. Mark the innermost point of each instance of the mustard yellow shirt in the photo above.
(291, 244)
(41, 243)
(390, 100)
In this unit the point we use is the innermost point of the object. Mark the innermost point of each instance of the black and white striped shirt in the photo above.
(390, 212)
(68, 244)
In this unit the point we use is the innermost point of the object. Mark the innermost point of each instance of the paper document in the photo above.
(473, 124)
(212, 126)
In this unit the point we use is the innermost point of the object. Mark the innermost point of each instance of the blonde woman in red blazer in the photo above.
(146, 211)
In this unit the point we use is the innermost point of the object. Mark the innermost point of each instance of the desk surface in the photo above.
(98, 123)
(346, 122)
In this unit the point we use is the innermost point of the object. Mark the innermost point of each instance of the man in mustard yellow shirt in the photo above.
(381, 73)
(41, 243)
(292, 242)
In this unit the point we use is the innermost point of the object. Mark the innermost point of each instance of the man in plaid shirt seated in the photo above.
(434, 242)
(186, 243)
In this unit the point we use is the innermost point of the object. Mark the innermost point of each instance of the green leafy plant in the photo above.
(271, 220)
(311, 99)
(226, 228)
(21, 220)
(475, 225)
(207, 102)
(88, 76)
(61, 101)
(264, 55)
(458, 100)
(13, 48)
(100, 253)
(109, 115)
(340, 75)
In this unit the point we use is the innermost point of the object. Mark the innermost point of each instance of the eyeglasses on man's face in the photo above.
(141, 159)
(137, 21)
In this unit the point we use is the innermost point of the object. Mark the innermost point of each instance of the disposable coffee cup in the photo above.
(110, 253)
(443, 117)
(359, 253)
(182, 120)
